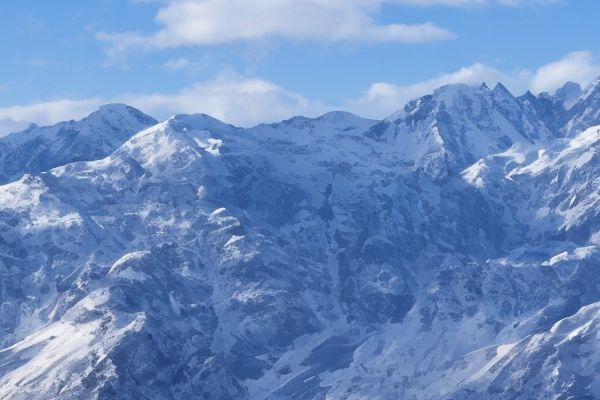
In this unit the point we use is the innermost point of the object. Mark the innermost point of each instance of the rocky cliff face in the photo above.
(449, 251)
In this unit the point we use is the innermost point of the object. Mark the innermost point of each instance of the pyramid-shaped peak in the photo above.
(500, 89)
(528, 96)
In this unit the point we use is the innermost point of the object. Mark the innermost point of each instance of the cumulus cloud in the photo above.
(230, 97)
(217, 22)
(579, 66)
(212, 22)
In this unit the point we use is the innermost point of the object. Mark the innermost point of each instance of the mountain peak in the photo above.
(120, 113)
(568, 94)
(527, 96)
(452, 89)
(335, 116)
(198, 122)
(500, 89)
(569, 86)
(38, 149)
(115, 107)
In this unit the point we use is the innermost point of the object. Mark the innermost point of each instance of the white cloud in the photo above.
(212, 22)
(230, 97)
(579, 66)
(215, 22)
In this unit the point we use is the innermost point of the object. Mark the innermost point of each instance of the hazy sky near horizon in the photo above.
(250, 61)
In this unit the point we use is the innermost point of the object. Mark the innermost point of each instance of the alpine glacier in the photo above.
(449, 251)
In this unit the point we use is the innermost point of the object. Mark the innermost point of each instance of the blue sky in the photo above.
(247, 61)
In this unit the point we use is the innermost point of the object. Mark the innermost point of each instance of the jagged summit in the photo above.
(442, 133)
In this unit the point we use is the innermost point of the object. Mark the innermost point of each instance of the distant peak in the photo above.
(569, 89)
(570, 85)
(122, 111)
(31, 127)
(528, 96)
(484, 87)
(502, 90)
(336, 116)
(197, 122)
(116, 107)
(450, 94)
(452, 88)
(568, 94)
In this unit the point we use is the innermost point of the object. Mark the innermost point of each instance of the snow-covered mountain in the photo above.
(448, 251)
(39, 149)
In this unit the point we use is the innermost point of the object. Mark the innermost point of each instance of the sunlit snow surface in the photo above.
(448, 251)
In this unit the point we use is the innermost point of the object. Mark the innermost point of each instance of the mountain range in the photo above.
(449, 251)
